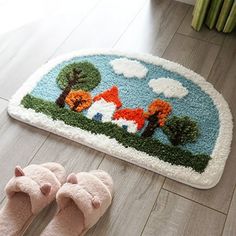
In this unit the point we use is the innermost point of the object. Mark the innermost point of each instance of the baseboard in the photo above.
(192, 2)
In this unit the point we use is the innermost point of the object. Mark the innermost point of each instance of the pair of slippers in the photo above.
(82, 200)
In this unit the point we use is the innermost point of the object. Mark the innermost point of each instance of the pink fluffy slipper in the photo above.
(81, 201)
(28, 192)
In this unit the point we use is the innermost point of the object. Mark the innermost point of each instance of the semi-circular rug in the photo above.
(140, 108)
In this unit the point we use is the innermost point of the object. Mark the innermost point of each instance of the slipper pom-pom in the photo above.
(18, 171)
(72, 179)
(96, 202)
(45, 189)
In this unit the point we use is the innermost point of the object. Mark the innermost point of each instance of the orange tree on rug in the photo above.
(157, 113)
(77, 76)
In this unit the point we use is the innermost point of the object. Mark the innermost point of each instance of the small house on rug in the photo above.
(104, 106)
(131, 120)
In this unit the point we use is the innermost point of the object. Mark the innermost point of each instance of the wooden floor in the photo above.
(145, 203)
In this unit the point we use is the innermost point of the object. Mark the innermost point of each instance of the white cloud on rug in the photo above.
(169, 87)
(129, 68)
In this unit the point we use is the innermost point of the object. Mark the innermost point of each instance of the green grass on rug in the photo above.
(171, 154)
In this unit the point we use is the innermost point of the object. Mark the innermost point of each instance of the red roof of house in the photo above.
(135, 115)
(110, 95)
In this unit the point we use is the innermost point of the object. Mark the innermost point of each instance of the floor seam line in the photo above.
(152, 207)
(5, 99)
(103, 157)
(228, 209)
(127, 27)
(38, 149)
(68, 36)
(176, 31)
(221, 48)
(194, 201)
(202, 40)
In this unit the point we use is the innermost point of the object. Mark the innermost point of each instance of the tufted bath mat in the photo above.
(140, 108)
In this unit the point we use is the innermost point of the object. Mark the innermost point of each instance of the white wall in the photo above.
(192, 2)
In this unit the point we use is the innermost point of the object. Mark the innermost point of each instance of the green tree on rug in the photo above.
(156, 116)
(181, 130)
(77, 76)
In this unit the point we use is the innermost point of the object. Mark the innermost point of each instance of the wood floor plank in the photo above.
(211, 36)
(103, 27)
(74, 157)
(153, 28)
(18, 144)
(174, 215)
(136, 190)
(27, 48)
(230, 226)
(42, 220)
(223, 73)
(223, 77)
(3, 105)
(192, 53)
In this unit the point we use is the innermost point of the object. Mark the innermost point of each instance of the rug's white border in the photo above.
(209, 178)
